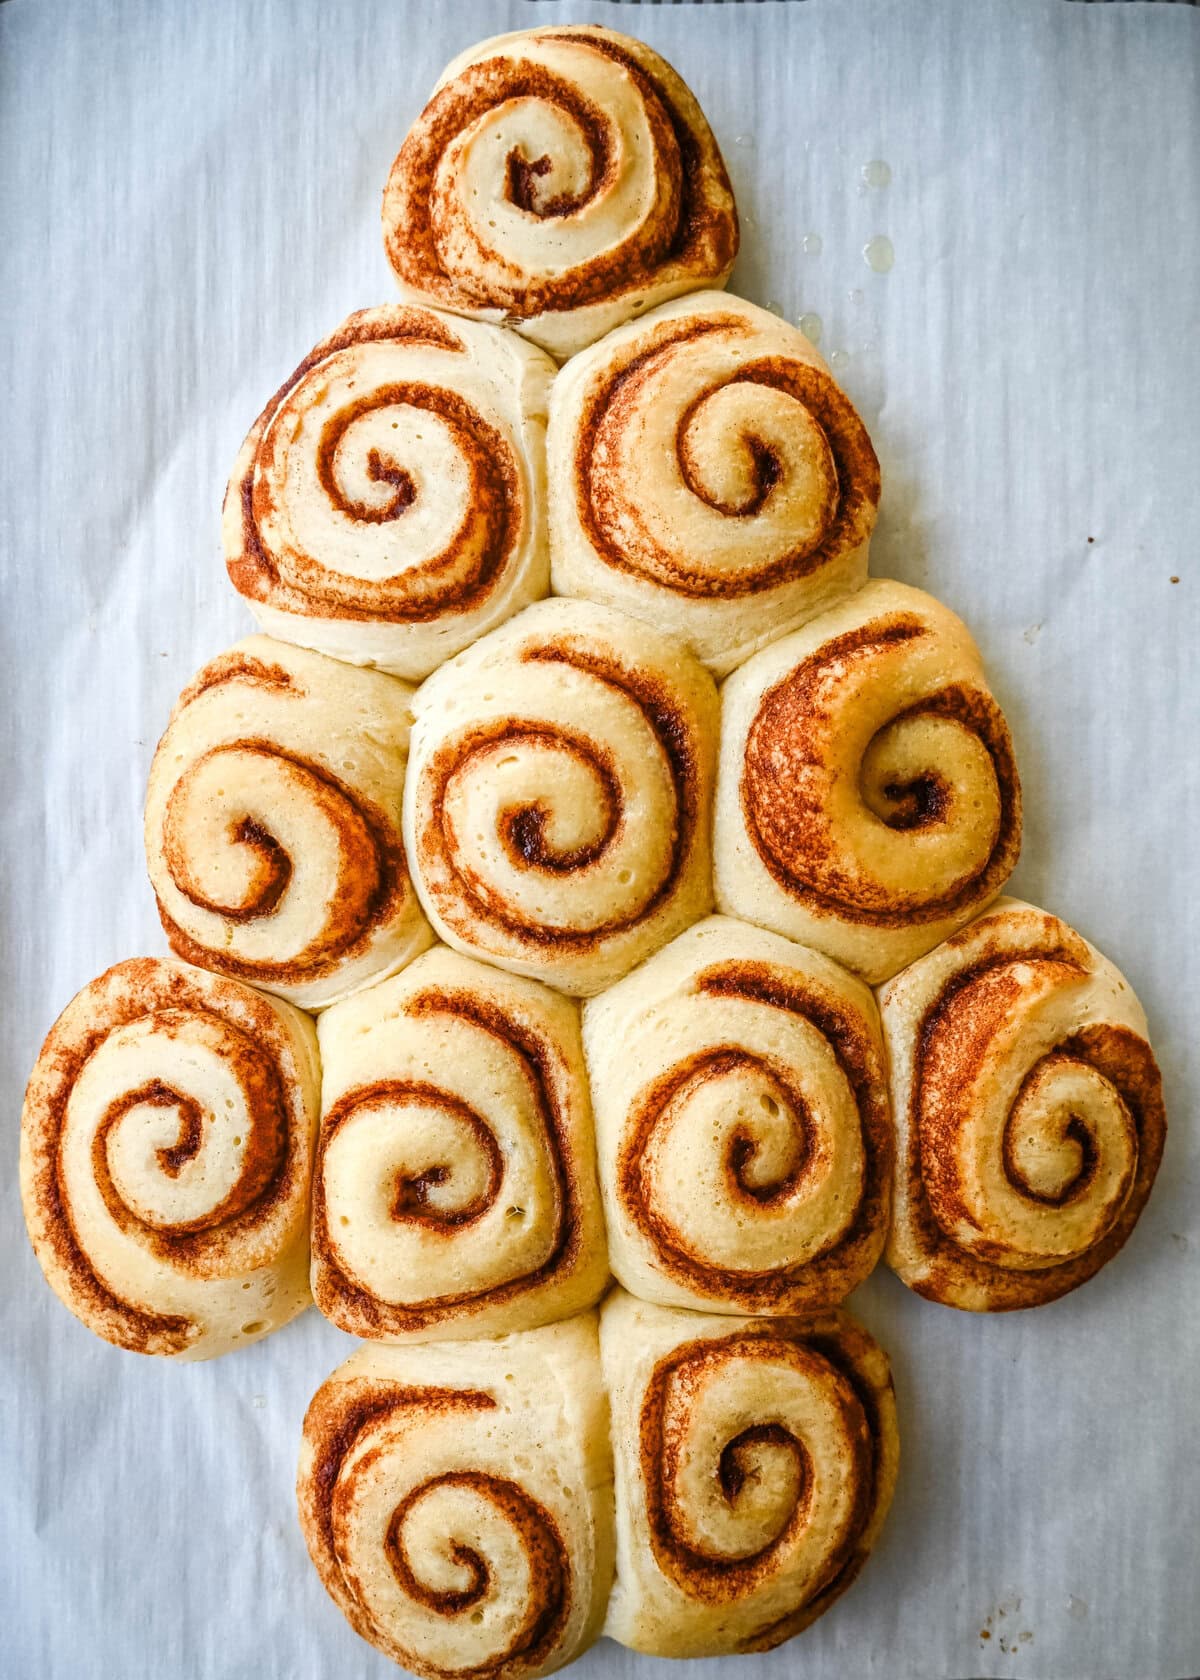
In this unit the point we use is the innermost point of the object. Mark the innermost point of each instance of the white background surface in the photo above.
(189, 199)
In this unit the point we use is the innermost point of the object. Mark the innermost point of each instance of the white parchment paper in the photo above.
(188, 199)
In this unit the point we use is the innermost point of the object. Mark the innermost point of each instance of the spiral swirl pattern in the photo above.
(755, 1462)
(559, 180)
(455, 1187)
(456, 1501)
(386, 507)
(556, 809)
(742, 1124)
(868, 801)
(272, 824)
(1029, 1112)
(166, 1148)
(707, 475)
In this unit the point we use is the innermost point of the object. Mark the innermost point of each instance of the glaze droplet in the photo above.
(839, 358)
(810, 326)
(811, 244)
(876, 173)
(878, 253)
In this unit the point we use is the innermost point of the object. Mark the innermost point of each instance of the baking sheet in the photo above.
(189, 199)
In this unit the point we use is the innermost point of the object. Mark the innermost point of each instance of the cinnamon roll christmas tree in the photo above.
(704, 1468)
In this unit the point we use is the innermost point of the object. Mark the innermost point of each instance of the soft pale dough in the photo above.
(166, 1151)
(273, 823)
(457, 1500)
(742, 1122)
(755, 1461)
(556, 811)
(559, 181)
(388, 506)
(455, 1188)
(867, 800)
(707, 474)
(1029, 1112)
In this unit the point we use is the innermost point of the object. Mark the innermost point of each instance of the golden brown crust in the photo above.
(129, 1018)
(443, 249)
(1031, 1109)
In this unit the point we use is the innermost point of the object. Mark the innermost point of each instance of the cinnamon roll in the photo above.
(1029, 1112)
(560, 181)
(166, 1148)
(455, 1189)
(386, 507)
(742, 1124)
(273, 824)
(755, 1461)
(557, 804)
(867, 799)
(457, 1501)
(707, 474)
